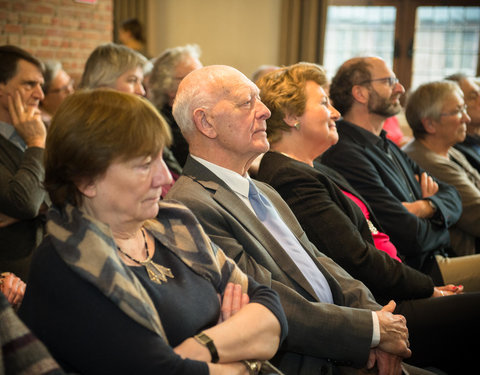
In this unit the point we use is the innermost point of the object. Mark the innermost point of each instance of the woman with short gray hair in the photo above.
(437, 114)
(112, 65)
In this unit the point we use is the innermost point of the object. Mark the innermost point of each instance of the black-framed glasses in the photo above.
(391, 81)
(459, 112)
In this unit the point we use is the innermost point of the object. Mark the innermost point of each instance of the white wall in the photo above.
(240, 33)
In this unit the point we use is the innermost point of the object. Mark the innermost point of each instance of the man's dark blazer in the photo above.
(321, 335)
(21, 195)
(362, 158)
(466, 148)
(337, 227)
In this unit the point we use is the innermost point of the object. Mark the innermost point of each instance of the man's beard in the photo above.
(382, 106)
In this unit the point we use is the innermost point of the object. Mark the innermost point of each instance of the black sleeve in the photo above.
(87, 333)
(21, 192)
(332, 223)
(414, 237)
(267, 297)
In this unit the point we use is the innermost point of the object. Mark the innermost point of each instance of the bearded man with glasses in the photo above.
(415, 210)
(437, 114)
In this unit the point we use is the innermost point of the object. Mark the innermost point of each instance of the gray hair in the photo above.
(457, 77)
(162, 75)
(109, 61)
(427, 102)
(52, 67)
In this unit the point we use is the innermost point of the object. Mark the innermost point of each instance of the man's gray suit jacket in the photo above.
(321, 336)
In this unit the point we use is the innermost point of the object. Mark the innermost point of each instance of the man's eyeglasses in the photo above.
(391, 81)
(459, 112)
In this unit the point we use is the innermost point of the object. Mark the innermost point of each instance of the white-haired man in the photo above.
(334, 322)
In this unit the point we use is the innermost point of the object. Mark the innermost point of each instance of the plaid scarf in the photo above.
(88, 247)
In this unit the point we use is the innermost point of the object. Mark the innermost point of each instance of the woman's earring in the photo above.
(297, 126)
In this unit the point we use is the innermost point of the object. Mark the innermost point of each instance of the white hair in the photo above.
(202, 88)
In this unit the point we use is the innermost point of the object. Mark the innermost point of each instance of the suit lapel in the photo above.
(226, 198)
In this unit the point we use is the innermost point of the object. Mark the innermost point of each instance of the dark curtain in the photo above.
(302, 31)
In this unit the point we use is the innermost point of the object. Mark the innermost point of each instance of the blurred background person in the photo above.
(122, 69)
(131, 34)
(22, 143)
(117, 67)
(437, 114)
(128, 272)
(58, 85)
(470, 147)
(262, 70)
(170, 67)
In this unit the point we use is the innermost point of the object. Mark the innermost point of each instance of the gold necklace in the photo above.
(156, 272)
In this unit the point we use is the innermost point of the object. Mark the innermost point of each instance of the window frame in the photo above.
(405, 29)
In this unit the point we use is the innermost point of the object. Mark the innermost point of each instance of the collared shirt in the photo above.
(9, 133)
(240, 185)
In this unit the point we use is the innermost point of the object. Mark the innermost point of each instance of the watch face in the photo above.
(204, 338)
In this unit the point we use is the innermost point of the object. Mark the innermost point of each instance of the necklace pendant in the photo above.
(157, 273)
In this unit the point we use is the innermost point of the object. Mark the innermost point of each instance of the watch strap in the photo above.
(206, 341)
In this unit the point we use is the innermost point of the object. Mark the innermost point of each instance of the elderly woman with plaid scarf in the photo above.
(123, 282)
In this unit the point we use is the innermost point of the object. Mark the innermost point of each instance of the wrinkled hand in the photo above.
(233, 301)
(387, 364)
(447, 290)
(428, 185)
(5, 220)
(393, 332)
(13, 288)
(27, 122)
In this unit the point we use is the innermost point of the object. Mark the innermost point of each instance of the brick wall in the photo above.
(65, 30)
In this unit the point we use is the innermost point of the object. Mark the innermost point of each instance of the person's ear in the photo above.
(291, 120)
(360, 94)
(429, 125)
(204, 123)
(87, 188)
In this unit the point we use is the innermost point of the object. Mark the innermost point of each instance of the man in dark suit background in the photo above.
(22, 142)
(223, 120)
